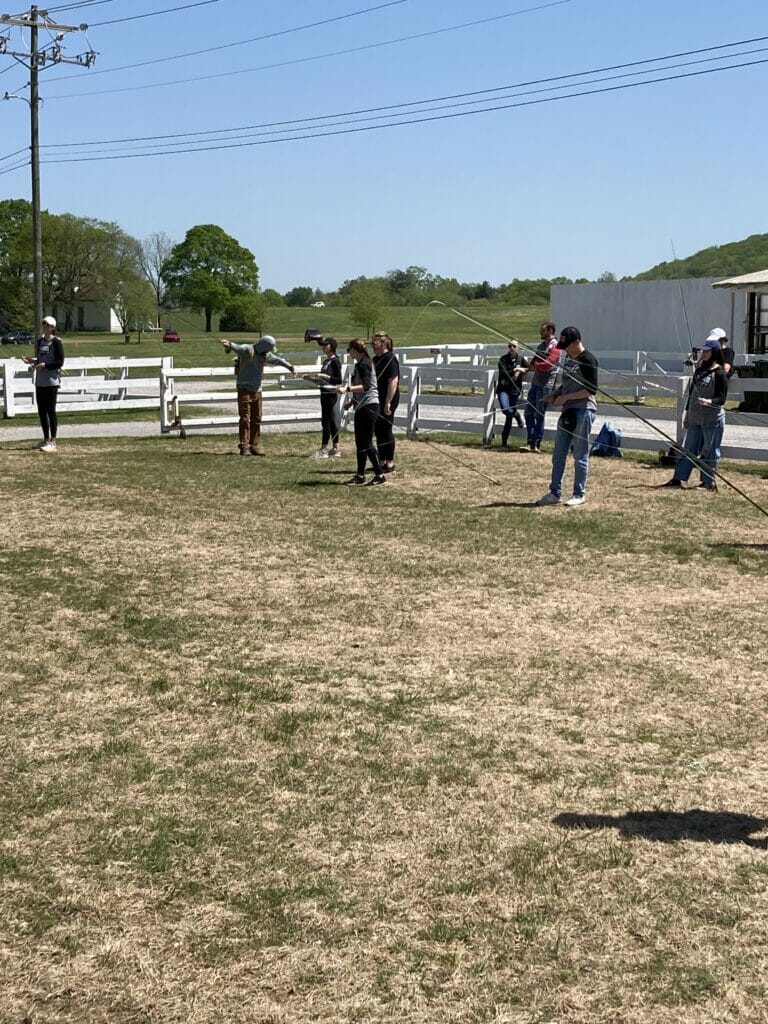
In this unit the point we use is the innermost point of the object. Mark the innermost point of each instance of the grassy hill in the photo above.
(742, 257)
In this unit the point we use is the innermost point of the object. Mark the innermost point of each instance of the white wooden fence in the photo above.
(88, 384)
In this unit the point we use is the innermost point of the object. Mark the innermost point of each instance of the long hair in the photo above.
(388, 342)
(358, 345)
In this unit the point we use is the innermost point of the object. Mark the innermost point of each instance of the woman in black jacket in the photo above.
(508, 388)
(47, 361)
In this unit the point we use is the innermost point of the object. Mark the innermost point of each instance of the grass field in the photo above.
(276, 750)
(431, 326)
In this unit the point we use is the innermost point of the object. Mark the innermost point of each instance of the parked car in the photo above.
(312, 334)
(169, 335)
(18, 338)
(317, 305)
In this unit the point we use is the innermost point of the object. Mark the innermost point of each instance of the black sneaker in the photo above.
(708, 487)
(381, 479)
(356, 481)
(671, 483)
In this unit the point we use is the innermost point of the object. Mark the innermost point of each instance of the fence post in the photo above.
(682, 386)
(166, 393)
(9, 375)
(641, 364)
(414, 390)
(489, 413)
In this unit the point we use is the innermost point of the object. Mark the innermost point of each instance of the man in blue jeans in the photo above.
(576, 398)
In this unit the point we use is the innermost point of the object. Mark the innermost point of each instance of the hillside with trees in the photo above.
(744, 257)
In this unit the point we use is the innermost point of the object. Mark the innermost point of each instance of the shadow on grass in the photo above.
(723, 548)
(511, 504)
(673, 826)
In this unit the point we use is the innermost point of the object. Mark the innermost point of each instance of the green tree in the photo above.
(367, 303)
(301, 295)
(207, 269)
(15, 262)
(245, 313)
(135, 303)
(272, 297)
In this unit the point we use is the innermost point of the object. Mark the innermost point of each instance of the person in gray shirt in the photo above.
(704, 418)
(252, 358)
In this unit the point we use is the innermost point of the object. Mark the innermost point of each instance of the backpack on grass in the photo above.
(608, 442)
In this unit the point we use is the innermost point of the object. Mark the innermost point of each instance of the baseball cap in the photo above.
(567, 337)
(716, 334)
(710, 343)
(50, 320)
(328, 341)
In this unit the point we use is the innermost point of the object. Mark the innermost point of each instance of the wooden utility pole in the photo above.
(34, 59)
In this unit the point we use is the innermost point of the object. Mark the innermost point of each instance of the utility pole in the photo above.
(39, 57)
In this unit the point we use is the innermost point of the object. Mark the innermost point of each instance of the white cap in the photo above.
(716, 334)
(50, 320)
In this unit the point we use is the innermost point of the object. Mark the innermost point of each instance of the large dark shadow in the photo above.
(672, 826)
(724, 548)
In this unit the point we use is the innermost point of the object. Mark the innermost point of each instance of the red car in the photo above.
(171, 336)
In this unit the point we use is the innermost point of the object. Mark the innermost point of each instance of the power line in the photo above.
(245, 132)
(75, 7)
(441, 99)
(152, 14)
(243, 42)
(294, 61)
(418, 120)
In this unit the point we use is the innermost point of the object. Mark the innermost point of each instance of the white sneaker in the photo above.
(322, 454)
(549, 499)
(576, 500)
(335, 453)
(49, 446)
(39, 445)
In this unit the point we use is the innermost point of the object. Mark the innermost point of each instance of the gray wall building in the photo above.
(626, 316)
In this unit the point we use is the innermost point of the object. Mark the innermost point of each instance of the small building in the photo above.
(88, 315)
(651, 316)
(753, 287)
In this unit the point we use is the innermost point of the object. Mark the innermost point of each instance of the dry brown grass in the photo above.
(278, 752)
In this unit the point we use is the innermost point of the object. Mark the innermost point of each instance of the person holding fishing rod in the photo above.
(576, 399)
(251, 359)
(704, 418)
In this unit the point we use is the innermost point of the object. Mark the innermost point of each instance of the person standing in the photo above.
(387, 367)
(365, 397)
(512, 366)
(729, 356)
(543, 366)
(252, 358)
(576, 398)
(704, 418)
(330, 368)
(47, 361)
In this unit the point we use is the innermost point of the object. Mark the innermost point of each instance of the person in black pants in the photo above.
(365, 398)
(387, 368)
(47, 361)
(329, 401)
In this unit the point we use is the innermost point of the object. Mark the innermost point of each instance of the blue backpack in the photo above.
(608, 442)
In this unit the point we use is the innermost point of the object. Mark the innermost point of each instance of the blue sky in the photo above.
(574, 187)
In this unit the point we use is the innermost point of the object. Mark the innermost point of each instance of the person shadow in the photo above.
(697, 825)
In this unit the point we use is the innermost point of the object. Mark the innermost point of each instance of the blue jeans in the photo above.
(535, 407)
(704, 444)
(578, 439)
(508, 405)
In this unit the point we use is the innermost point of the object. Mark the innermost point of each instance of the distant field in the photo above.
(407, 325)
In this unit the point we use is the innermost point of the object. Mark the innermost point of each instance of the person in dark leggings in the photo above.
(47, 361)
(387, 368)
(365, 398)
(329, 401)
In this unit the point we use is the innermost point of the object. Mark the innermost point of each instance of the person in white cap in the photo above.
(718, 334)
(47, 361)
